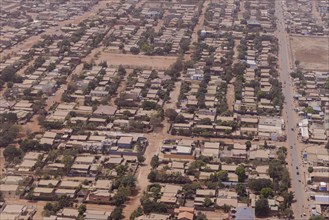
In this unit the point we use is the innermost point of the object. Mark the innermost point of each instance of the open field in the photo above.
(129, 60)
(312, 52)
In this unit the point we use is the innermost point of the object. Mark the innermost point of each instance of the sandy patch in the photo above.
(130, 60)
(312, 52)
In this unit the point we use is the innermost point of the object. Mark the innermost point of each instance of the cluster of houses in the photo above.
(16, 26)
(19, 21)
(322, 8)
(261, 61)
(171, 25)
(181, 157)
(316, 158)
(87, 178)
(11, 211)
(260, 15)
(186, 150)
(313, 106)
(256, 112)
(300, 19)
(61, 11)
(217, 18)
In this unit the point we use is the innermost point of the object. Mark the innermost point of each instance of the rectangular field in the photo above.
(312, 52)
(133, 61)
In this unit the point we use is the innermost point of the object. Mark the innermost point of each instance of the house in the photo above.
(103, 184)
(99, 196)
(105, 110)
(10, 212)
(154, 216)
(184, 213)
(68, 213)
(95, 214)
(170, 193)
(9, 191)
(68, 192)
(44, 193)
(125, 142)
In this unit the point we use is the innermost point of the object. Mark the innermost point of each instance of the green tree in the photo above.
(171, 114)
(201, 216)
(152, 175)
(64, 201)
(310, 169)
(207, 202)
(275, 169)
(240, 171)
(140, 158)
(117, 213)
(134, 50)
(120, 169)
(82, 209)
(266, 192)
(262, 208)
(248, 145)
(11, 152)
(241, 189)
(67, 161)
(258, 184)
(155, 161)
(136, 213)
(318, 217)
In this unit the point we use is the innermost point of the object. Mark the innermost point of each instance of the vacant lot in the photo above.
(129, 60)
(312, 52)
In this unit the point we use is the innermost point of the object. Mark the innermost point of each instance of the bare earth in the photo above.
(130, 60)
(312, 52)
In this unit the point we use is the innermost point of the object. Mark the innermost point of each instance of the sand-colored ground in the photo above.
(130, 60)
(312, 52)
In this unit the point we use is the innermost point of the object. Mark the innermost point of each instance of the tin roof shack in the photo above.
(29, 162)
(170, 194)
(177, 150)
(271, 128)
(91, 214)
(10, 212)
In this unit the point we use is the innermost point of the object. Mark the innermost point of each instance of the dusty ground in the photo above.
(158, 62)
(230, 95)
(312, 52)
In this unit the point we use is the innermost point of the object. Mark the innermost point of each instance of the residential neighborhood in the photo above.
(160, 110)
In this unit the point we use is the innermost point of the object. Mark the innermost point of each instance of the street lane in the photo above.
(291, 119)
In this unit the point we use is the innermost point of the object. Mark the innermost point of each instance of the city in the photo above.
(164, 109)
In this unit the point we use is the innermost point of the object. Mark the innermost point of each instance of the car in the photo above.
(297, 173)
(297, 167)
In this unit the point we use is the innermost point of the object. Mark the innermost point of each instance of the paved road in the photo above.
(291, 119)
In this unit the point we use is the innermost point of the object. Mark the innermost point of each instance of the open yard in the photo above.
(130, 60)
(312, 52)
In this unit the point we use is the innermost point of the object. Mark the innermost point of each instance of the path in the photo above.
(197, 28)
(230, 94)
(155, 138)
